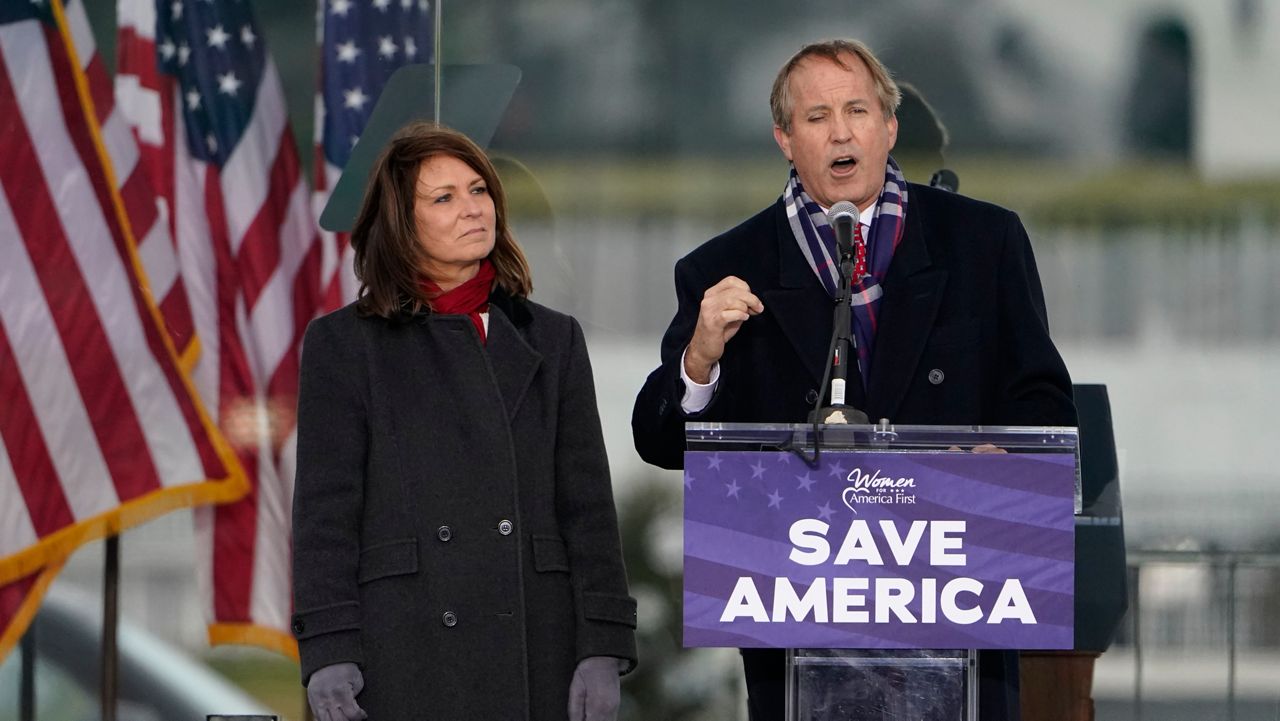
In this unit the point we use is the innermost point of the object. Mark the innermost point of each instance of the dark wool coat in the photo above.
(453, 522)
(962, 339)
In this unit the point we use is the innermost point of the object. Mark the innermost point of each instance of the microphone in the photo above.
(945, 179)
(842, 216)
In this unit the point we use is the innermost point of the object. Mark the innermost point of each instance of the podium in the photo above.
(897, 542)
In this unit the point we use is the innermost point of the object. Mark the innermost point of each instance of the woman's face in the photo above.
(455, 217)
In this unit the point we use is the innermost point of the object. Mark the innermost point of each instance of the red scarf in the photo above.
(471, 298)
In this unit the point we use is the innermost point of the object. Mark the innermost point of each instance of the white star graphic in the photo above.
(757, 470)
(347, 52)
(217, 37)
(247, 37)
(733, 489)
(387, 47)
(784, 457)
(184, 53)
(340, 7)
(688, 479)
(193, 99)
(775, 500)
(825, 511)
(805, 481)
(167, 49)
(837, 471)
(424, 5)
(406, 4)
(211, 142)
(228, 84)
(382, 4)
(410, 47)
(175, 9)
(714, 462)
(354, 98)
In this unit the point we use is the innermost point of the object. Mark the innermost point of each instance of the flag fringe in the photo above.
(27, 611)
(254, 635)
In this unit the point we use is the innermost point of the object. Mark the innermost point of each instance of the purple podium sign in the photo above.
(879, 550)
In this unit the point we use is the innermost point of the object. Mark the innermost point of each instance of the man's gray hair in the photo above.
(836, 51)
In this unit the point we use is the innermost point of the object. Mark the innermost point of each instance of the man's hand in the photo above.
(593, 693)
(332, 691)
(725, 307)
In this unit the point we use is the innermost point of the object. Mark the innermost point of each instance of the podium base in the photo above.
(1057, 685)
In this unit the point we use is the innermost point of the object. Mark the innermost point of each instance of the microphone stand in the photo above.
(842, 353)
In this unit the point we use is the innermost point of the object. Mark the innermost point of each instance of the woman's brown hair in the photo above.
(388, 254)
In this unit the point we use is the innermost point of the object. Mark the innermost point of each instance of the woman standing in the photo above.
(456, 551)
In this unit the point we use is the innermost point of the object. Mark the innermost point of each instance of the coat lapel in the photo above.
(513, 361)
(799, 303)
(912, 294)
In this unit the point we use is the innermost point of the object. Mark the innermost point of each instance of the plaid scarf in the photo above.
(818, 245)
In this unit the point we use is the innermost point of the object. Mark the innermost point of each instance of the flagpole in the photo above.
(435, 50)
(27, 693)
(110, 617)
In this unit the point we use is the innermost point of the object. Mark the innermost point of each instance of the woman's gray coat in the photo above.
(454, 526)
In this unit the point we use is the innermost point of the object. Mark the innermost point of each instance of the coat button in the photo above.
(936, 376)
(504, 527)
(449, 619)
(811, 397)
(444, 533)
(298, 626)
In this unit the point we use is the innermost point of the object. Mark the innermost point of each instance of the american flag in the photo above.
(205, 100)
(362, 42)
(99, 428)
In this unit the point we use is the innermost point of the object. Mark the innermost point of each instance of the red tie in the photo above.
(859, 253)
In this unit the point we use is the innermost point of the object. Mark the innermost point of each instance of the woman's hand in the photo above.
(593, 693)
(332, 692)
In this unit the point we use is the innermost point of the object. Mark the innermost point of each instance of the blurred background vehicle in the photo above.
(158, 682)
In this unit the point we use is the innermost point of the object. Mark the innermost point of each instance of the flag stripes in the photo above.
(99, 429)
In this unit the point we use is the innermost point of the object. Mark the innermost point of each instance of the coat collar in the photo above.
(513, 360)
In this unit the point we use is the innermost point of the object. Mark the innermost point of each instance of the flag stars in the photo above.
(825, 511)
(247, 37)
(805, 482)
(211, 143)
(168, 50)
(775, 500)
(184, 53)
(340, 7)
(837, 471)
(713, 463)
(387, 47)
(175, 9)
(733, 488)
(193, 99)
(406, 4)
(355, 98)
(382, 4)
(410, 47)
(757, 470)
(688, 480)
(217, 37)
(348, 52)
(228, 84)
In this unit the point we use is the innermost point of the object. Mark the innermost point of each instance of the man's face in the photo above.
(839, 139)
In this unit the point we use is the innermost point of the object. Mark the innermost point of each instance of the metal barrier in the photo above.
(1221, 564)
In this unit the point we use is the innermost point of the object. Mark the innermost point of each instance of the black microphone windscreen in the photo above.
(945, 179)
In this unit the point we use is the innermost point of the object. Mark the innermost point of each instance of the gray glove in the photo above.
(593, 693)
(332, 691)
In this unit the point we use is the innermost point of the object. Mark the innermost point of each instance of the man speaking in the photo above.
(948, 314)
